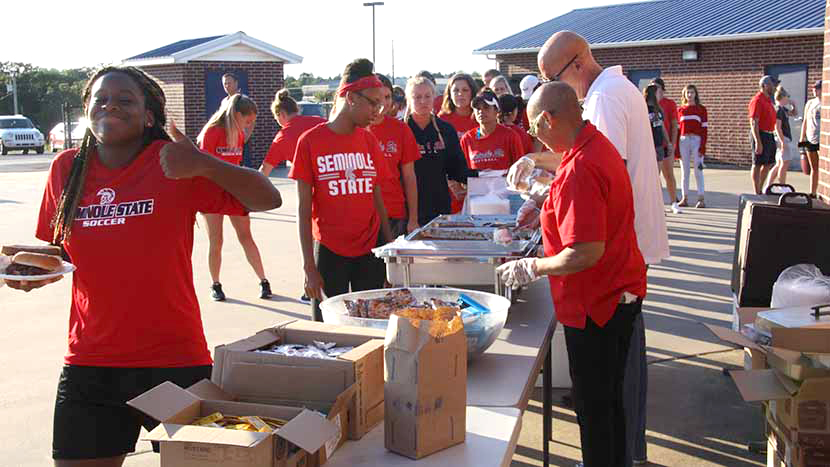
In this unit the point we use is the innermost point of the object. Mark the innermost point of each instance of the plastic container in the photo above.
(481, 329)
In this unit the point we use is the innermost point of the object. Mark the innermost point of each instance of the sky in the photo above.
(429, 34)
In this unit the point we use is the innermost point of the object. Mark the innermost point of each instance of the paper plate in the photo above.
(66, 268)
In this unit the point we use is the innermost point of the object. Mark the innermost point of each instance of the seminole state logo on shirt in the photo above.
(481, 157)
(106, 212)
(229, 152)
(341, 173)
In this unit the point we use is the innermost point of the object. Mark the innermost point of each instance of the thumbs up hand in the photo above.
(181, 158)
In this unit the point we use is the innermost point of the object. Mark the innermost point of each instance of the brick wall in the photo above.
(824, 154)
(726, 75)
(184, 86)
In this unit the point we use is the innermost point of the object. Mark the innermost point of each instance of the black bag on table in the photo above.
(774, 232)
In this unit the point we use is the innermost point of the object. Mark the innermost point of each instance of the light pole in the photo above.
(14, 90)
(373, 5)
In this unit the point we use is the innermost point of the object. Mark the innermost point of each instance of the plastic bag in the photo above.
(801, 285)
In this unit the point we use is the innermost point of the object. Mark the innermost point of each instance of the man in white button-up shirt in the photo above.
(617, 108)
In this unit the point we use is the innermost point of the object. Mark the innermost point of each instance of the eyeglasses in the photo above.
(558, 75)
(374, 103)
(534, 126)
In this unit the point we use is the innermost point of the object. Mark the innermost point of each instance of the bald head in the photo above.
(566, 56)
(557, 99)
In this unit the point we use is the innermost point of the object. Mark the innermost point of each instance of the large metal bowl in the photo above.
(481, 330)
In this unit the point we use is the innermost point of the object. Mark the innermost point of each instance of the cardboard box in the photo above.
(792, 448)
(743, 314)
(185, 445)
(315, 383)
(425, 385)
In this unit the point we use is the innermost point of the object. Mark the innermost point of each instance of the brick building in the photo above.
(722, 46)
(190, 72)
(824, 154)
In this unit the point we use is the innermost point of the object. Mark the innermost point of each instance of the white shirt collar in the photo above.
(606, 73)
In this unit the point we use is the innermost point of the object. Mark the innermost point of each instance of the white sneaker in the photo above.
(675, 208)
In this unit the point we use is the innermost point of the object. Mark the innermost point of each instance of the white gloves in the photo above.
(516, 274)
(520, 171)
(528, 215)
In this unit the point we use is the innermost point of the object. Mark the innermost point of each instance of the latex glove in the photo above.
(518, 173)
(528, 215)
(516, 274)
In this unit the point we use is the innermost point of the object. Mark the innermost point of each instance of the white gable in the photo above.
(237, 53)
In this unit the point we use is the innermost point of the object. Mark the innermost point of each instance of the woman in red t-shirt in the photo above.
(694, 126)
(223, 136)
(122, 207)
(400, 188)
(491, 146)
(340, 215)
(458, 112)
(292, 125)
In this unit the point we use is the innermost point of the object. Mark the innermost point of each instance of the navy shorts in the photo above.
(92, 419)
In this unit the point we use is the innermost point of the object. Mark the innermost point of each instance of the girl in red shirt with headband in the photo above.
(123, 207)
(341, 216)
(224, 136)
(694, 125)
(491, 146)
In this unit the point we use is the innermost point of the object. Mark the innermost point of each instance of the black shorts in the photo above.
(811, 147)
(767, 156)
(661, 153)
(92, 419)
(398, 227)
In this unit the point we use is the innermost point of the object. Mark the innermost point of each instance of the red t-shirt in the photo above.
(524, 137)
(133, 302)
(761, 107)
(669, 108)
(590, 200)
(215, 142)
(285, 142)
(461, 123)
(496, 151)
(342, 171)
(400, 148)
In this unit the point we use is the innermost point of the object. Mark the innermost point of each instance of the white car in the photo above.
(57, 140)
(18, 133)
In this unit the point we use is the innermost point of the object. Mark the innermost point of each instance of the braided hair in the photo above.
(70, 197)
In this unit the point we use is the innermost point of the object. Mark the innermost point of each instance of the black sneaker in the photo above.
(305, 299)
(216, 292)
(264, 289)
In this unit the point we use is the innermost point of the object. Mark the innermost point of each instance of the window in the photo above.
(641, 78)
(8, 123)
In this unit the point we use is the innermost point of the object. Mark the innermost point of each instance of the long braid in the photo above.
(73, 189)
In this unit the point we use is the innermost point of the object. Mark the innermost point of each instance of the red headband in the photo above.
(366, 82)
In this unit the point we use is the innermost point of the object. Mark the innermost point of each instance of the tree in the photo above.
(42, 92)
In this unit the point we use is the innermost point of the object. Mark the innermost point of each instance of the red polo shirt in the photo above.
(761, 107)
(590, 201)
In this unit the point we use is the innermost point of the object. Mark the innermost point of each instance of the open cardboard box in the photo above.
(743, 314)
(309, 382)
(793, 448)
(186, 445)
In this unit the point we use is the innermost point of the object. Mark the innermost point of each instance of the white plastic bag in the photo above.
(801, 285)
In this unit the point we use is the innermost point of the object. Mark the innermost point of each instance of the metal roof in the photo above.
(169, 49)
(673, 21)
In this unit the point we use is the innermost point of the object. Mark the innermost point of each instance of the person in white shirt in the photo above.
(616, 107)
(810, 130)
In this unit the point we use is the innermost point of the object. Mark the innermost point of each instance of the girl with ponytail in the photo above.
(292, 125)
(123, 207)
(224, 137)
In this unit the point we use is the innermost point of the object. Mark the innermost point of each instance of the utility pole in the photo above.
(373, 5)
(14, 90)
(393, 63)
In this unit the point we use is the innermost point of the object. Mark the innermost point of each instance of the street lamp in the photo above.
(373, 5)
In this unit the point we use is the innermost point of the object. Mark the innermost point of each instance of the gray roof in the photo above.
(170, 49)
(645, 23)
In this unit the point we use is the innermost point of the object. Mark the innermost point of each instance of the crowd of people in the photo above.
(387, 161)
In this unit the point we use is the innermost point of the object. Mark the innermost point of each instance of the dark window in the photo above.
(641, 78)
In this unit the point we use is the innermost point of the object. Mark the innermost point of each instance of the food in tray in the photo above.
(395, 301)
(244, 423)
(453, 234)
(33, 264)
(11, 250)
(456, 224)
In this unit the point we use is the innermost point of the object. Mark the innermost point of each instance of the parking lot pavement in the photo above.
(696, 417)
